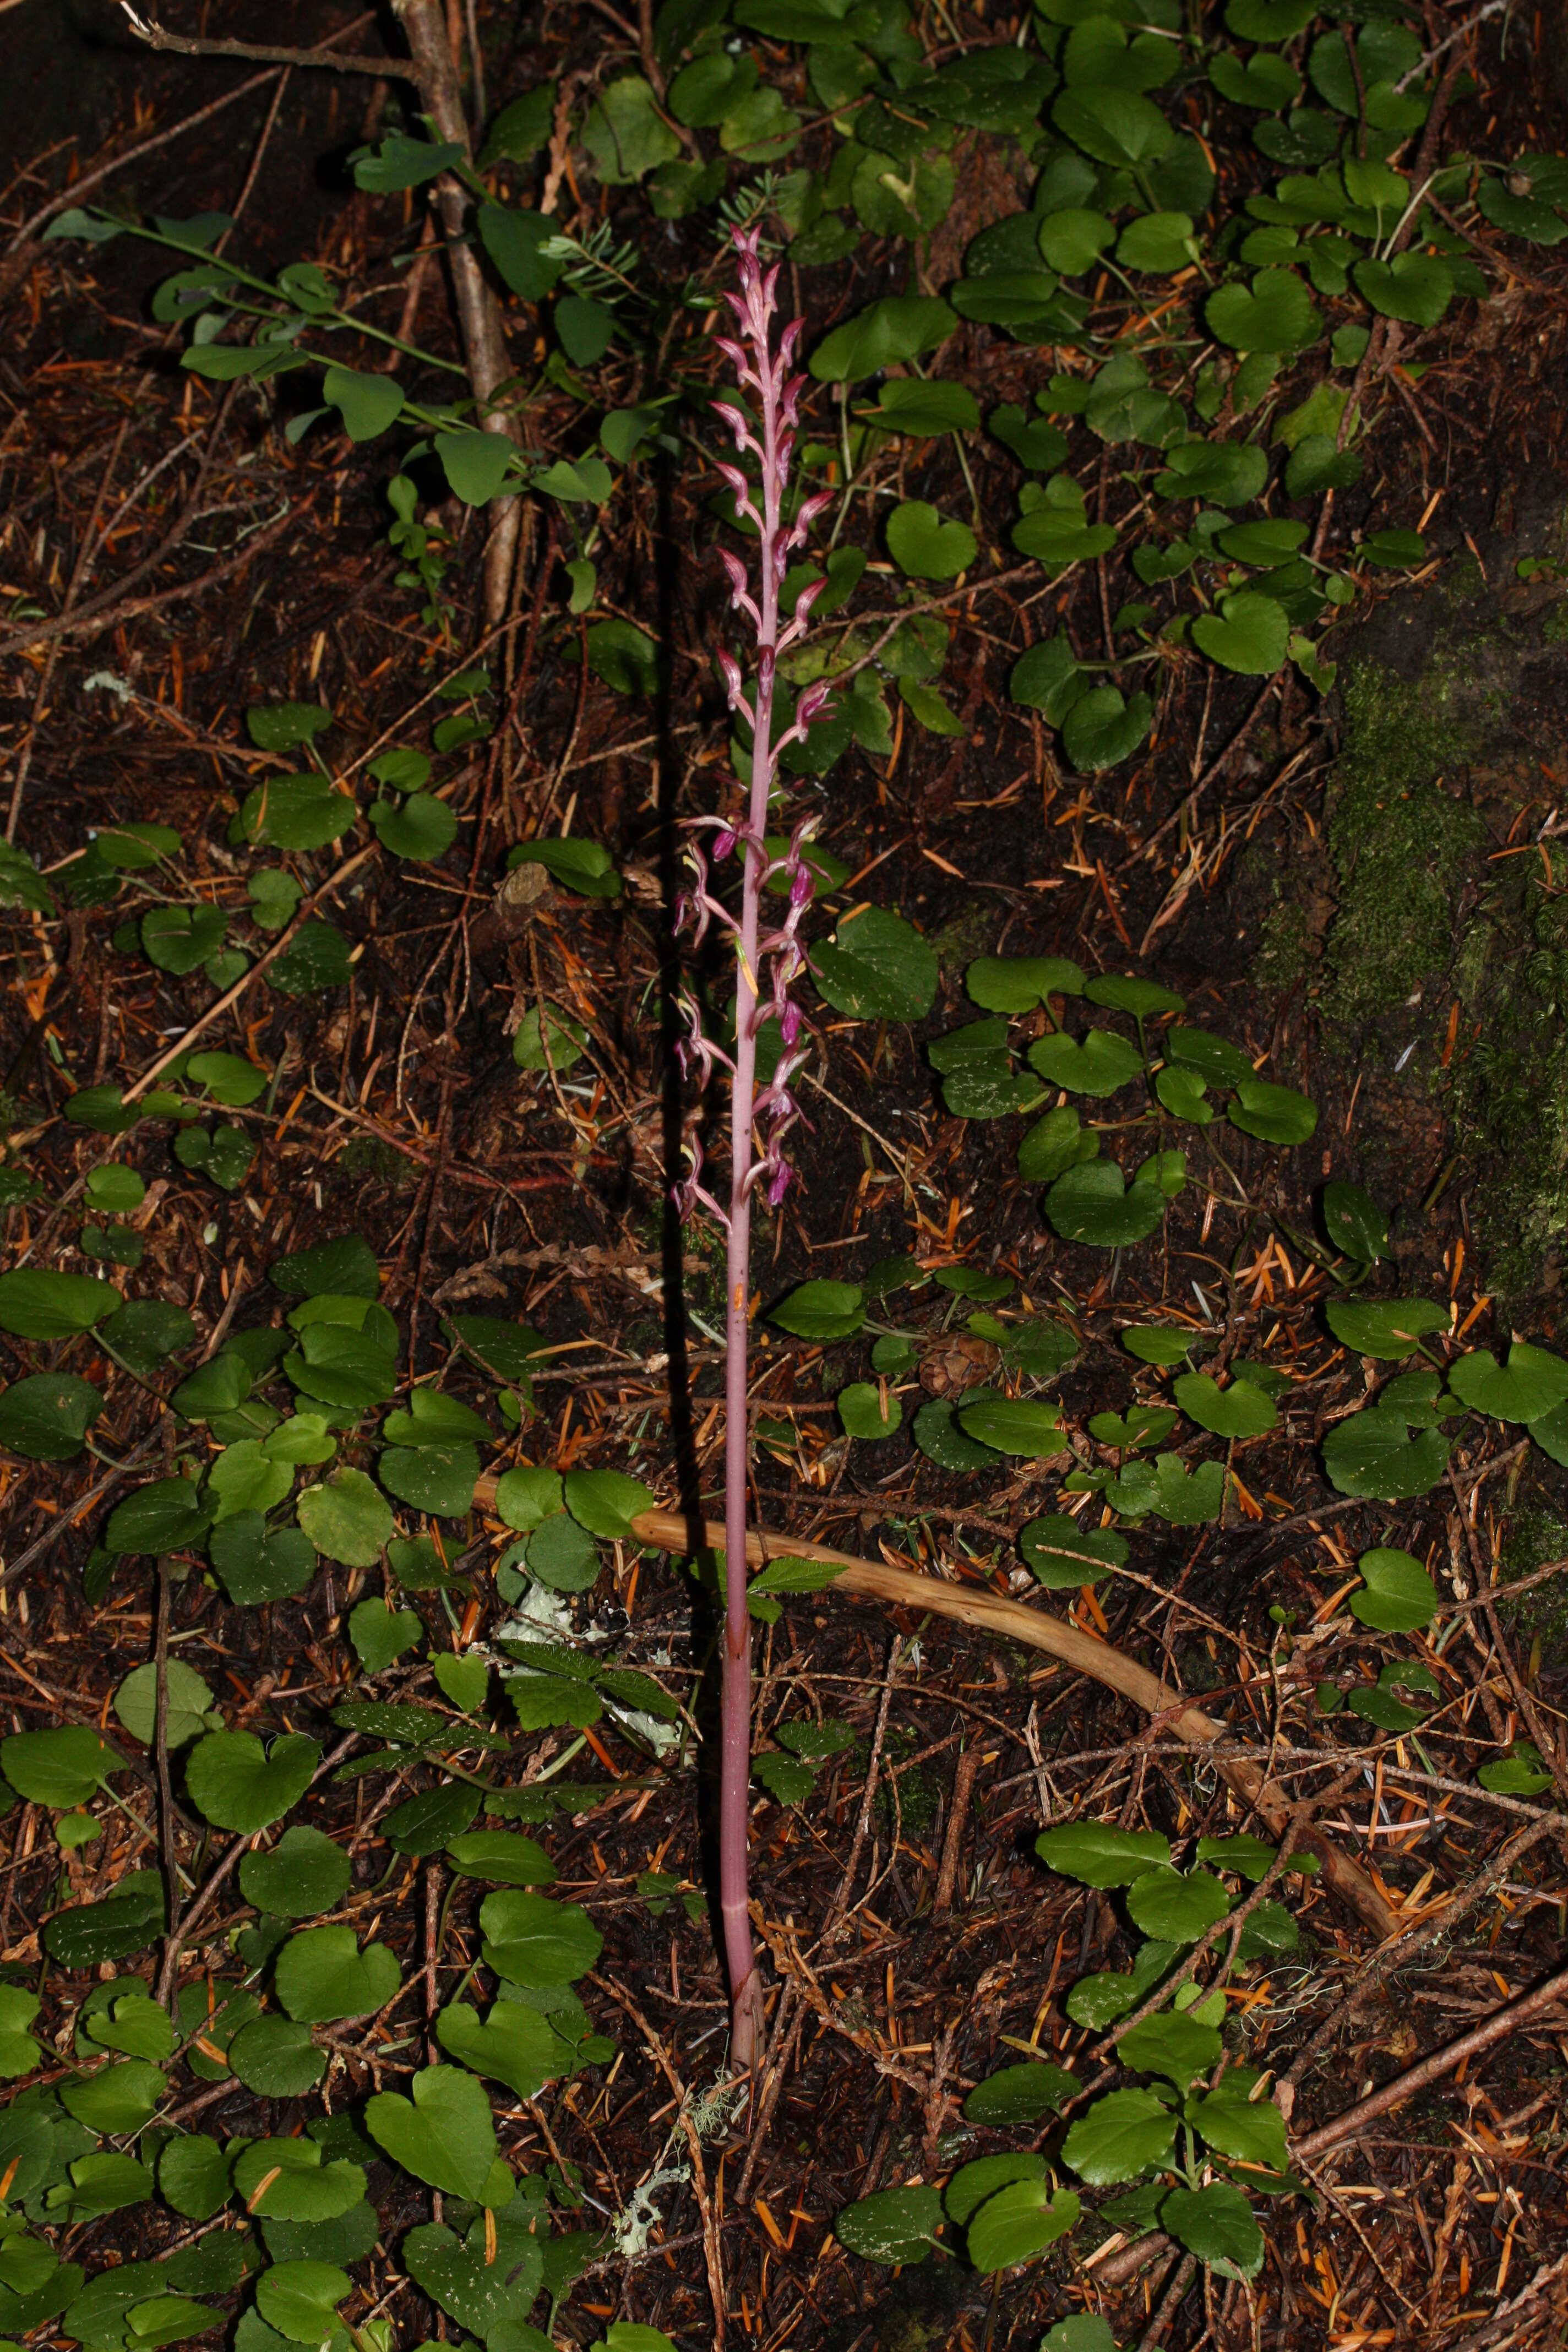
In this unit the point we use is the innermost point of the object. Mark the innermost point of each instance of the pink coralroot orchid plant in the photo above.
(767, 963)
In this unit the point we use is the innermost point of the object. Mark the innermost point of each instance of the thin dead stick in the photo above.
(115, 604)
(968, 1765)
(101, 172)
(712, 2244)
(78, 575)
(1511, 2018)
(1217, 767)
(1503, 2322)
(148, 29)
(838, 1908)
(670, 1531)
(1399, 1954)
(169, 1835)
(232, 995)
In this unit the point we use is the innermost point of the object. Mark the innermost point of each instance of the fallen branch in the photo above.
(1117, 2269)
(988, 1613)
(1511, 2019)
(148, 29)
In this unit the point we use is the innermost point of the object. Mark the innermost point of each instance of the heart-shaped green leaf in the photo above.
(1275, 314)
(1374, 1454)
(239, 1785)
(531, 1940)
(445, 2136)
(322, 1975)
(1250, 633)
(513, 2045)
(1531, 1385)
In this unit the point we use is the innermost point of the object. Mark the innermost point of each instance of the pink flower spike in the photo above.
(729, 669)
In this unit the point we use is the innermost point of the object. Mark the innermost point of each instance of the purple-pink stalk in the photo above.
(767, 962)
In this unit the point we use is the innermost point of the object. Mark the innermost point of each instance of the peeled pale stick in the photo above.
(989, 1613)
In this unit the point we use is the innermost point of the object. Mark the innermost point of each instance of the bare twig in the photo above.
(670, 1531)
(1511, 2018)
(148, 29)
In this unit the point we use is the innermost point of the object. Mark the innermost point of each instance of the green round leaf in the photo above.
(1354, 1222)
(193, 2176)
(1018, 2224)
(1249, 2131)
(47, 1415)
(605, 1502)
(1019, 984)
(1216, 2224)
(1276, 314)
(348, 1520)
(1093, 1203)
(860, 1411)
(1121, 2136)
(1063, 1556)
(1100, 1854)
(1176, 1908)
(1239, 1411)
(322, 1975)
(1250, 633)
(37, 1305)
(1374, 1454)
(304, 1872)
(906, 404)
(239, 1785)
(420, 829)
(1017, 2096)
(941, 1439)
(503, 1856)
(1154, 1344)
(190, 1701)
(1102, 728)
(1073, 239)
(1276, 1113)
(1101, 1063)
(1398, 1595)
(897, 2225)
(1015, 1425)
(563, 1555)
(1171, 2045)
(925, 547)
(531, 1940)
(60, 1768)
(514, 2045)
(821, 1310)
(445, 2136)
(901, 327)
(877, 968)
(381, 1635)
(1385, 1328)
(1520, 1773)
(1414, 286)
(166, 1516)
(1533, 1382)
(299, 2299)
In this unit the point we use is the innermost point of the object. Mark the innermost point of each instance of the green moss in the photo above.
(1510, 1096)
(1535, 1534)
(1400, 841)
(1285, 948)
(1554, 628)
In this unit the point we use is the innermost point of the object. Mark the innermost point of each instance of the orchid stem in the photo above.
(765, 965)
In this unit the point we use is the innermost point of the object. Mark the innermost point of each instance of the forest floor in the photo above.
(912, 1938)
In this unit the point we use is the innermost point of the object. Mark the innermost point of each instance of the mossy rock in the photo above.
(1445, 968)
(1537, 1532)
